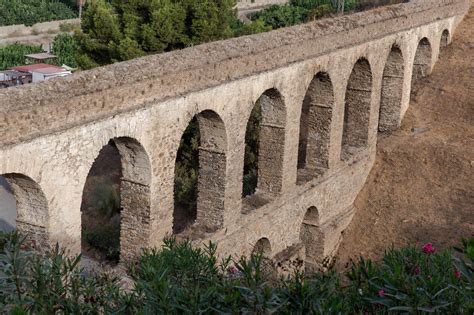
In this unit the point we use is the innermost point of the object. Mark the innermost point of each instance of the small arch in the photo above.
(392, 90)
(357, 109)
(444, 39)
(315, 125)
(264, 145)
(422, 62)
(116, 201)
(312, 239)
(200, 174)
(24, 208)
(263, 247)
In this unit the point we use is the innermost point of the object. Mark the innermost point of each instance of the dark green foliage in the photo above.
(278, 16)
(258, 26)
(186, 176)
(105, 239)
(65, 47)
(180, 279)
(252, 135)
(50, 284)
(320, 12)
(30, 12)
(14, 55)
(123, 30)
(411, 281)
(72, 4)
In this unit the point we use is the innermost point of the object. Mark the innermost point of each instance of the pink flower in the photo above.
(417, 270)
(457, 274)
(428, 248)
(233, 270)
(381, 293)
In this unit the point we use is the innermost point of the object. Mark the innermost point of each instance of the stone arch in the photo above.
(315, 125)
(312, 239)
(133, 179)
(263, 247)
(444, 39)
(268, 121)
(422, 62)
(32, 215)
(392, 91)
(357, 109)
(210, 157)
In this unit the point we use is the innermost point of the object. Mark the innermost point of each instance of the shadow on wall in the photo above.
(7, 207)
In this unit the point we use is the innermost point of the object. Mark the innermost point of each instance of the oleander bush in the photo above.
(180, 279)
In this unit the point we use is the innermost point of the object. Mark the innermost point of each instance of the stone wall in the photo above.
(252, 4)
(40, 33)
(53, 131)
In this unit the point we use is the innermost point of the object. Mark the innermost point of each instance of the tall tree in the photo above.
(118, 30)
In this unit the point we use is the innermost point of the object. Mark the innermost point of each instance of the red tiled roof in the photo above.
(29, 68)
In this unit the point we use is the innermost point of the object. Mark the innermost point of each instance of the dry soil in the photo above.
(421, 188)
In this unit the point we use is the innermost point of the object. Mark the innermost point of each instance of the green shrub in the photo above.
(30, 12)
(179, 279)
(65, 47)
(413, 281)
(51, 284)
(278, 16)
(321, 11)
(105, 239)
(14, 55)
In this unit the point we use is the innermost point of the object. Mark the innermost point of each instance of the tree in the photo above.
(65, 47)
(100, 36)
(119, 30)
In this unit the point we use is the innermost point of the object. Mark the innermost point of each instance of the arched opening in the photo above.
(200, 173)
(315, 125)
(264, 149)
(357, 109)
(312, 239)
(23, 207)
(444, 39)
(392, 90)
(115, 210)
(422, 63)
(263, 247)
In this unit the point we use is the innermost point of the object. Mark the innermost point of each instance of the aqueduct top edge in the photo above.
(38, 109)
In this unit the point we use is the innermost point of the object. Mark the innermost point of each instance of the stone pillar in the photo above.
(135, 222)
(211, 188)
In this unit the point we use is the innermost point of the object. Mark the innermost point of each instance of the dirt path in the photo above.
(421, 188)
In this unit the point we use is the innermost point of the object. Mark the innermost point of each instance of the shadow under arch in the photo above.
(392, 91)
(263, 247)
(422, 62)
(312, 239)
(315, 128)
(200, 174)
(264, 149)
(358, 98)
(120, 177)
(32, 214)
(444, 42)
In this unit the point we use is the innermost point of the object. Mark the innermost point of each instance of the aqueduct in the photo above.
(324, 89)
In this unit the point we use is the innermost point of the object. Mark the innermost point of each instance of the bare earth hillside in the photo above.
(421, 188)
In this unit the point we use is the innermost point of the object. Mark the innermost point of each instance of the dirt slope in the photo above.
(421, 188)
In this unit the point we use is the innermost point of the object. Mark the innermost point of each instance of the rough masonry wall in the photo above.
(59, 162)
(123, 87)
(252, 4)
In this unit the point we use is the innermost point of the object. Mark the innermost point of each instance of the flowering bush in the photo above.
(180, 279)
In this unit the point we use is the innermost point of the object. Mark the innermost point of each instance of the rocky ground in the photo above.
(421, 188)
